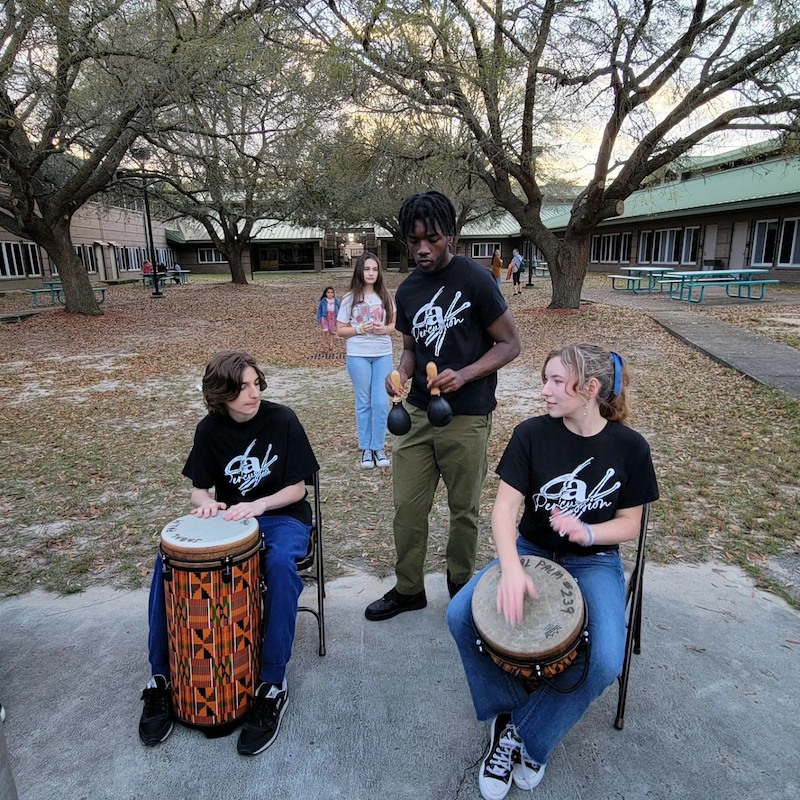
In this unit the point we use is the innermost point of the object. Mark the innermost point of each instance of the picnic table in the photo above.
(639, 279)
(746, 283)
(163, 277)
(55, 290)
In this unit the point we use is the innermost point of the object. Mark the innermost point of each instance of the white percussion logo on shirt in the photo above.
(246, 472)
(430, 323)
(572, 496)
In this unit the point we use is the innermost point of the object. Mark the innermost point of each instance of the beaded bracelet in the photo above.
(590, 531)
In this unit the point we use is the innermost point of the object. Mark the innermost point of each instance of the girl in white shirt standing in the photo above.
(366, 320)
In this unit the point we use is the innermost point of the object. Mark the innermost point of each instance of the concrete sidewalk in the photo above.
(758, 357)
(712, 707)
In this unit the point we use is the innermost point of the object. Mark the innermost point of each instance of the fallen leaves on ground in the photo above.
(98, 414)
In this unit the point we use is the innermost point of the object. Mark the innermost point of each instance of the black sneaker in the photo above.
(263, 719)
(496, 771)
(156, 721)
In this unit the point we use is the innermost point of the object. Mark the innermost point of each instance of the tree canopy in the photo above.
(623, 87)
(80, 82)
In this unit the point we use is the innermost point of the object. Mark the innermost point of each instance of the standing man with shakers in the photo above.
(451, 312)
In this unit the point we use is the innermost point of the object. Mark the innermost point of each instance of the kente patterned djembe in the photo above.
(212, 586)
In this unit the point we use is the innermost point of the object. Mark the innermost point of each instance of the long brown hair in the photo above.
(357, 285)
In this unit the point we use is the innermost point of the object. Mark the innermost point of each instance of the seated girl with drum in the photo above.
(583, 477)
(249, 461)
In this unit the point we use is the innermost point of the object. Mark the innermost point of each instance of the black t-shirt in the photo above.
(249, 460)
(589, 476)
(447, 314)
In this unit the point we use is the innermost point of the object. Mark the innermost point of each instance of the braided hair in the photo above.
(432, 209)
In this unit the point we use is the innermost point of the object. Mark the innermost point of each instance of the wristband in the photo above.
(359, 327)
(590, 531)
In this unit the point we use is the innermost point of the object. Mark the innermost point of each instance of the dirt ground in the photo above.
(97, 416)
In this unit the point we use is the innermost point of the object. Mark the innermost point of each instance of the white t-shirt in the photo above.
(370, 309)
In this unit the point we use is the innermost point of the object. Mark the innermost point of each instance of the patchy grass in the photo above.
(97, 416)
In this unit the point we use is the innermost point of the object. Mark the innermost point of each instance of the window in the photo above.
(85, 253)
(764, 240)
(789, 246)
(594, 252)
(210, 255)
(610, 248)
(625, 248)
(667, 246)
(645, 247)
(689, 251)
(19, 260)
(484, 249)
(164, 256)
(129, 259)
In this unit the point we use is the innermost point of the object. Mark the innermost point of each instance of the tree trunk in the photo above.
(237, 269)
(403, 260)
(568, 271)
(78, 295)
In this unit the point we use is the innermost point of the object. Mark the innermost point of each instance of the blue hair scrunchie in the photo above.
(617, 360)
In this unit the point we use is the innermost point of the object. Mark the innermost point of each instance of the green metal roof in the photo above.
(768, 183)
(191, 231)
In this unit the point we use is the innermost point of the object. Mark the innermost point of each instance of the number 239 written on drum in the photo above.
(567, 598)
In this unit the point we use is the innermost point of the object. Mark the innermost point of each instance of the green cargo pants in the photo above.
(457, 453)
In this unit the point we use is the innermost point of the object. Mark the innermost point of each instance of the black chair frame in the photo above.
(633, 621)
(311, 568)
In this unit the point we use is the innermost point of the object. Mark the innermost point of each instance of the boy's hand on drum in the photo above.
(245, 510)
(511, 590)
(208, 509)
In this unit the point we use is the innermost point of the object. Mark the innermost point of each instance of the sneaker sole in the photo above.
(274, 735)
(150, 741)
(524, 783)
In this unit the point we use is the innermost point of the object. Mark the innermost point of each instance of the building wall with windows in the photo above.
(742, 216)
(111, 243)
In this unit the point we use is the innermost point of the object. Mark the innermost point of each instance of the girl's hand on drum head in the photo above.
(511, 591)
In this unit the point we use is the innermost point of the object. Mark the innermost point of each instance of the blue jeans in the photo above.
(543, 718)
(285, 540)
(368, 374)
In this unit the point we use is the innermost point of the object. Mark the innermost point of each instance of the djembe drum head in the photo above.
(552, 630)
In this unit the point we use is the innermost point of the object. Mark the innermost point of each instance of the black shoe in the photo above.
(453, 587)
(156, 721)
(263, 719)
(394, 603)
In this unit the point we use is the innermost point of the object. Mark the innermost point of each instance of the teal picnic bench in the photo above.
(632, 282)
(37, 294)
(56, 294)
(742, 284)
(540, 269)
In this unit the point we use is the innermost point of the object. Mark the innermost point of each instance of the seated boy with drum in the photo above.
(583, 477)
(249, 460)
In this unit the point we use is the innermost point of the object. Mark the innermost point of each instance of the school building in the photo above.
(735, 210)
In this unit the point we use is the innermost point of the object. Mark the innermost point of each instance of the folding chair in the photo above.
(311, 566)
(633, 610)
